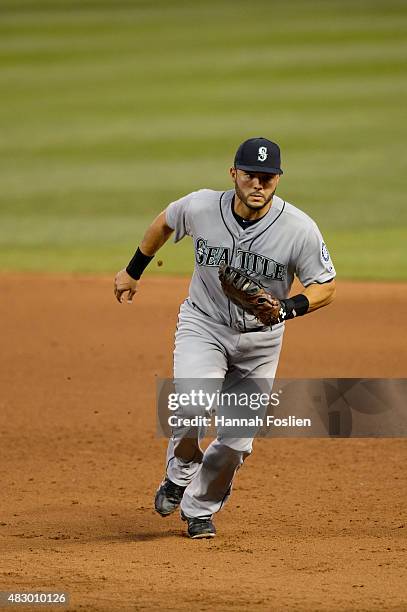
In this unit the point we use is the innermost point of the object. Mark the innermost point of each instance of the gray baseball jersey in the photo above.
(285, 243)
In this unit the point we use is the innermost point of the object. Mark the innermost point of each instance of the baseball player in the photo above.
(242, 236)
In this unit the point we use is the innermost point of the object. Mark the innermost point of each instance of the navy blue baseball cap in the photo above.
(259, 155)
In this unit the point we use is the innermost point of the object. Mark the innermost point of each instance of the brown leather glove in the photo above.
(249, 295)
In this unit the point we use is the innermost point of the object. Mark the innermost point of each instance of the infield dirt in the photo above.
(312, 524)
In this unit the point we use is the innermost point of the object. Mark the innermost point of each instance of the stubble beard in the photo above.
(243, 199)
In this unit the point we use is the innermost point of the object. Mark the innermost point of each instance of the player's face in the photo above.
(254, 189)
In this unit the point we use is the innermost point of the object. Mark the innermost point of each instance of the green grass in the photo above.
(111, 109)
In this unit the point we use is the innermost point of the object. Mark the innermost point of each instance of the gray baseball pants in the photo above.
(205, 349)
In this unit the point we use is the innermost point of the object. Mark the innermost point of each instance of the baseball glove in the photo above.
(249, 295)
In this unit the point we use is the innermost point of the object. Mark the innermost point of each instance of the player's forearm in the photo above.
(320, 295)
(156, 235)
(154, 238)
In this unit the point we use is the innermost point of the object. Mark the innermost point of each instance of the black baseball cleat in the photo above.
(199, 528)
(168, 497)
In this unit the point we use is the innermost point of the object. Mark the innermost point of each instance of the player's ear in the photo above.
(232, 173)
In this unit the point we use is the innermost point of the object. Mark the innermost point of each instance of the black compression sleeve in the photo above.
(138, 264)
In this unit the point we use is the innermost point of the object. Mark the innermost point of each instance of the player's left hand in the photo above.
(124, 283)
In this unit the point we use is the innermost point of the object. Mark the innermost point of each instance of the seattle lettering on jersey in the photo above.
(246, 260)
(210, 255)
(261, 265)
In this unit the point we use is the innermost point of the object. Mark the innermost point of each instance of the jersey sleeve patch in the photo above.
(325, 253)
(326, 259)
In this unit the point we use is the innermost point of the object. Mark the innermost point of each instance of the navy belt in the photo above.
(256, 329)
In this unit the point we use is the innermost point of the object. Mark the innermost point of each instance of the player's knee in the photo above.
(218, 456)
(242, 445)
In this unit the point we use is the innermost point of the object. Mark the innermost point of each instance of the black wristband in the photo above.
(296, 306)
(138, 264)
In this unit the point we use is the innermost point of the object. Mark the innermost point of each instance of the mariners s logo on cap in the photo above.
(262, 156)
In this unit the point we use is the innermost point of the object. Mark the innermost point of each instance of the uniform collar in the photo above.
(255, 228)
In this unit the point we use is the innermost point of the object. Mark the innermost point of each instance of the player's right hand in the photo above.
(124, 283)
